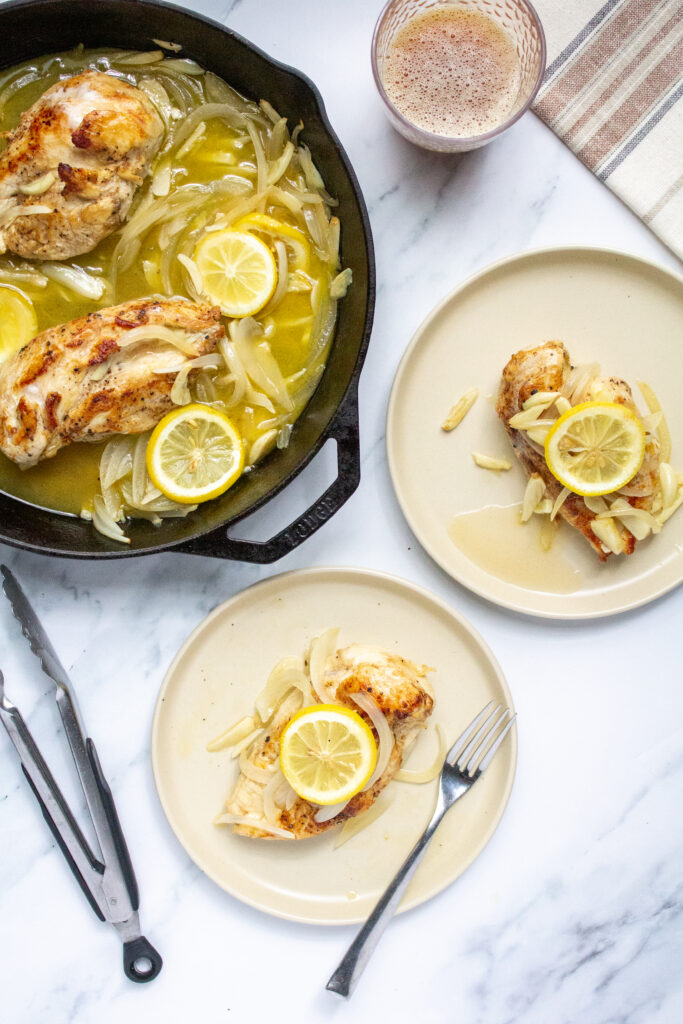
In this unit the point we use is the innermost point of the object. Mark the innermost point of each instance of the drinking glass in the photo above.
(521, 23)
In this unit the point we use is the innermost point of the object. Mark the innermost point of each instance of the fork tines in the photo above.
(472, 754)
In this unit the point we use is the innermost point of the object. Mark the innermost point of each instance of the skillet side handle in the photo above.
(344, 430)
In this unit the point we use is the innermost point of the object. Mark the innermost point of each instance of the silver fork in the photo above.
(470, 755)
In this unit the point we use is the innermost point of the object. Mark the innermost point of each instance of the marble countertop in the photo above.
(573, 914)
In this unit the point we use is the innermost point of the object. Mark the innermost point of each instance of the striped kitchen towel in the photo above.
(613, 92)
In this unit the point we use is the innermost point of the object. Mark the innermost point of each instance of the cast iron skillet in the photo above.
(32, 28)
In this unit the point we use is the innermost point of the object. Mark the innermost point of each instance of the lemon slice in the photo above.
(18, 322)
(595, 448)
(327, 753)
(194, 454)
(238, 271)
(298, 243)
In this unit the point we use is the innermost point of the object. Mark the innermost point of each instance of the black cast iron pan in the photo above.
(31, 28)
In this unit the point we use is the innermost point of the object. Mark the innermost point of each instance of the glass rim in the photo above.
(463, 139)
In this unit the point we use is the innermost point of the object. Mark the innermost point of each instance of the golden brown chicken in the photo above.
(399, 689)
(109, 372)
(72, 165)
(546, 368)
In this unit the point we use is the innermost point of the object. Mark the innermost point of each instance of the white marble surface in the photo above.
(574, 912)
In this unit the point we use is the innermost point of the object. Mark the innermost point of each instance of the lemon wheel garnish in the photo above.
(327, 753)
(18, 322)
(595, 448)
(297, 240)
(238, 271)
(194, 454)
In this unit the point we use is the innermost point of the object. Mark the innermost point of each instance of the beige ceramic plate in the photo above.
(213, 682)
(606, 307)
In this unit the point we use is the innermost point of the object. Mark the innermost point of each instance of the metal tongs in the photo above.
(107, 880)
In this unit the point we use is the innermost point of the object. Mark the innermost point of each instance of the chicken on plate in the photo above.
(394, 697)
(614, 522)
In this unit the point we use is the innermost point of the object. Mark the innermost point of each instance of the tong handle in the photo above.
(141, 961)
(109, 808)
(59, 839)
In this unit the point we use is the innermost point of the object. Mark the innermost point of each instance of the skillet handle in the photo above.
(344, 430)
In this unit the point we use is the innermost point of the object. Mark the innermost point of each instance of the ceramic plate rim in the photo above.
(311, 573)
(415, 341)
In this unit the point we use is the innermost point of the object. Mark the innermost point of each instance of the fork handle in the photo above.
(350, 968)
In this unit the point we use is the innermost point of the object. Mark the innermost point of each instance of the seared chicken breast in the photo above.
(545, 368)
(109, 372)
(402, 693)
(73, 164)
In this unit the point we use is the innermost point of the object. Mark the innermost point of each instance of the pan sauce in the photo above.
(298, 329)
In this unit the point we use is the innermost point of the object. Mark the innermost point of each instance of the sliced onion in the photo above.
(668, 484)
(386, 737)
(258, 360)
(286, 199)
(282, 279)
(256, 823)
(259, 153)
(666, 513)
(105, 524)
(260, 446)
(278, 167)
(246, 742)
(175, 336)
(237, 374)
(159, 98)
(180, 392)
(112, 502)
(39, 185)
(287, 674)
(312, 175)
(255, 397)
(322, 648)
(423, 775)
(76, 279)
(559, 502)
(234, 734)
(324, 814)
(286, 796)
(182, 65)
(116, 460)
(577, 381)
(139, 474)
(270, 112)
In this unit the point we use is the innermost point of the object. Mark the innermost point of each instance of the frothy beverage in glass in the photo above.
(452, 71)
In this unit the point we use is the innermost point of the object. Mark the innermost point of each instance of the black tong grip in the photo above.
(141, 961)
